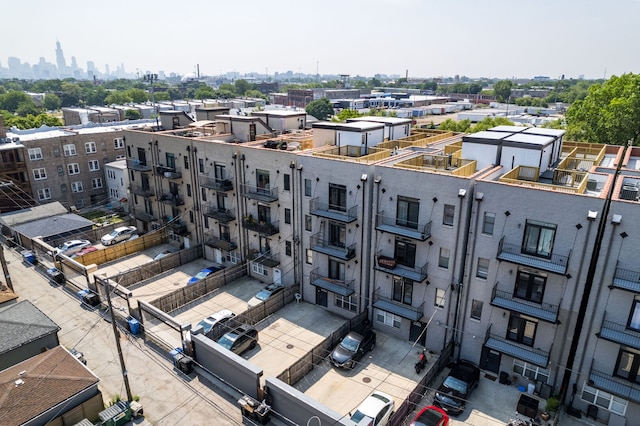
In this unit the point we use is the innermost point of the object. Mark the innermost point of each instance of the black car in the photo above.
(240, 339)
(352, 348)
(453, 393)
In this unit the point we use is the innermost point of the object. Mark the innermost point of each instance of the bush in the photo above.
(552, 403)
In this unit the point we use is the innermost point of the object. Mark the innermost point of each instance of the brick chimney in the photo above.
(3, 130)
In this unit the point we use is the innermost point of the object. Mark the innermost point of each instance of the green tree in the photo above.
(610, 114)
(255, 94)
(205, 92)
(11, 100)
(345, 114)
(118, 98)
(475, 88)
(70, 94)
(320, 109)
(242, 86)
(163, 96)
(374, 82)
(51, 102)
(555, 124)
(138, 96)
(94, 95)
(132, 114)
(502, 89)
(489, 122)
(28, 108)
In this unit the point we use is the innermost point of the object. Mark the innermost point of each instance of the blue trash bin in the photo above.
(29, 257)
(134, 325)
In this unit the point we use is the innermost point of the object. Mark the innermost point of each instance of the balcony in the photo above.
(220, 243)
(337, 286)
(515, 253)
(144, 216)
(334, 212)
(626, 279)
(143, 191)
(506, 300)
(168, 172)
(268, 259)
(221, 215)
(216, 184)
(178, 227)
(619, 333)
(615, 385)
(321, 245)
(390, 265)
(415, 230)
(263, 228)
(516, 350)
(413, 313)
(172, 199)
(266, 195)
(140, 166)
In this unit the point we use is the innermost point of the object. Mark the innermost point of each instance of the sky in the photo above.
(421, 38)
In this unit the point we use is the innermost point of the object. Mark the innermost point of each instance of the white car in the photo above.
(214, 320)
(70, 247)
(374, 411)
(119, 234)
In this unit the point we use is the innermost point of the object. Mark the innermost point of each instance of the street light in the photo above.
(153, 78)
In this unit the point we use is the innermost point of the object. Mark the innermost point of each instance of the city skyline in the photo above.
(415, 38)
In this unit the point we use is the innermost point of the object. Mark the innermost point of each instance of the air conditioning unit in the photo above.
(629, 193)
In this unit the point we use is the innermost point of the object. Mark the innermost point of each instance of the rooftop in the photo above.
(22, 323)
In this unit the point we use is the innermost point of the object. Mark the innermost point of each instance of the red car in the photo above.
(430, 416)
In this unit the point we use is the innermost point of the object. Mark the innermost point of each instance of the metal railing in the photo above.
(347, 252)
(261, 227)
(168, 172)
(423, 229)
(258, 193)
(216, 183)
(318, 208)
(315, 275)
(222, 215)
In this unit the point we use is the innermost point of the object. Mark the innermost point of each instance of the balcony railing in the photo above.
(220, 243)
(144, 216)
(321, 245)
(414, 313)
(506, 300)
(221, 215)
(626, 279)
(168, 172)
(172, 199)
(619, 333)
(615, 385)
(334, 285)
(143, 191)
(404, 228)
(268, 259)
(516, 253)
(517, 350)
(331, 211)
(390, 265)
(216, 183)
(178, 227)
(263, 228)
(267, 195)
(141, 166)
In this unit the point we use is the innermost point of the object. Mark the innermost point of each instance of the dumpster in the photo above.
(55, 275)
(29, 257)
(116, 415)
(134, 325)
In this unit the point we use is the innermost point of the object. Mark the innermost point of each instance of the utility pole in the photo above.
(4, 268)
(151, 78)
(116, 334)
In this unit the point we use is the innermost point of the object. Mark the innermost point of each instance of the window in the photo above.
(483, 268)
(529, 286)
(44, 194)
(287, 248)
(628, 365)
(307, 187)
(219, 171)
(186, 162)
(337, 234)
(532, 372)
(188, 190)
(262, 181)
(118, 143)
(73, 168)
(221, 201)
(538, 238)
(402, 290)
(35, 154)
(287, 182)
(225, 233)
(336, 270)
(191, 218)
(171, 160)
(200, 165)
(407, 212)
(307, 222)
(449, 213)
(309, 256)
(264, 213)
(39, 174)
(203, 194)
(69, 150)
(405, 253)
(603, 400)
(258, 268)
(94, 165)
(90, 147)
(440, 298)
(233, 257)
(521, 329)
(287, 215)
(337, 197)
(96, 183)
(443, 260)
(488, 222)
(76, 187)
(634, 316)
(346, 302)
(476, 309)
(387, 318)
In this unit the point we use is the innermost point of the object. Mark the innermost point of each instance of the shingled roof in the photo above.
(22, 323)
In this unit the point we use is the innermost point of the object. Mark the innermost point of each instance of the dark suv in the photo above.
(352, 348)
(240, 339)
(453, 393)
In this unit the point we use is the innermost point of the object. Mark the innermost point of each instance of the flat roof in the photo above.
(385, 120)
(530, 139)
(510, 129)
(351, 126)
(485, 134)
(280, 112)
(544, 131)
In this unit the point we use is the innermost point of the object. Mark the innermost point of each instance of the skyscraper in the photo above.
(62, 65)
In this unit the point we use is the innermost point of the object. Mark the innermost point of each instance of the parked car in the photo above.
(120, 234)
(215, 320)
(240, 339)
(430, 416)
(85, 250)
(453, 393)
(164, 253)
(375, 410)
(352, 348)
(204, 273)
(264, 294)
(70, 247)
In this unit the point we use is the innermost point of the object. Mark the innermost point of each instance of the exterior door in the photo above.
(187, 243)
(217, 254)
(277, 276)
(321, 297)
(418, 333)
(490, 360)
(142, 156)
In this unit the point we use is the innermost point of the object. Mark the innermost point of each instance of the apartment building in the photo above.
(508, 243)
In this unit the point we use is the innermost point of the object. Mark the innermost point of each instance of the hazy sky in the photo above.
(429, 38)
